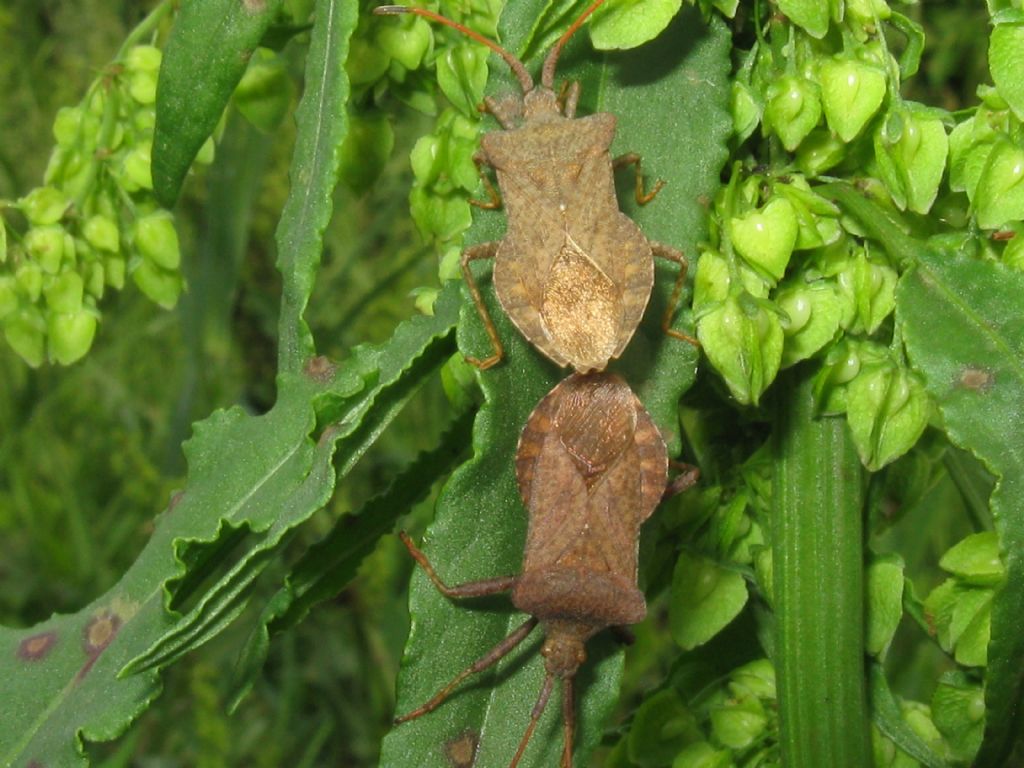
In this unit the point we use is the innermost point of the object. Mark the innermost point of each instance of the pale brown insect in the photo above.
(573, 273)
(591, 467)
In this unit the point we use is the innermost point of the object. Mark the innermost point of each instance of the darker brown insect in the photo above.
(591, 467)
(573, 272)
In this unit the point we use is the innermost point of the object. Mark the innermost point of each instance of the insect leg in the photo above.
(671, 254)
(686, 479)
(568, 721)
(493, 200)
(479, 588)
(642, 197)
(538, 710)
(482, 251)
(491, 657)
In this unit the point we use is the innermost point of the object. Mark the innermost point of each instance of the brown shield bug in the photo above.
(573, 273)
(591, 467)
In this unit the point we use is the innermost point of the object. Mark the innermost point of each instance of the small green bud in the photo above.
(29, 277)
(95, 280)
(851, 93)
(46, 246)
(450, 267)
(975, 560)
(868, 11)
(911, 149)
(756, 678)
(1005, 45)
(407, 42)
(462, 75)
(142, 87)
(887, 409)
(712, 280)
(705, 598)
(70, 335)
(765, 238)
(114, 267)
(743, 340)
(424, 299)
(157, 240)
(102, 233)
(26, 333)
(884, 604)
(64, 293)
(426, 159)
(44, 205)
(161, 286)
(136, 171)
(871, 289)
(1000, 192)
(818, 152)
(737, 727)
(143, 58)
(67, 126)
(813, 314)
(793, 109)
(746, 111)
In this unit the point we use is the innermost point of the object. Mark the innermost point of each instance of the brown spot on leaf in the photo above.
(37, 647)
(461, 751)
(320, 368)
(978, 379)
(254, 6)
(97, 635)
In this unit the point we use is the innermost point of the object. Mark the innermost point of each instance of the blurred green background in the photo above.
(90, 453)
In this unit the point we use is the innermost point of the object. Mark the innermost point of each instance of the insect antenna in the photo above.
(568, 721)
(518, 69)
(547, 75)
(538, 710)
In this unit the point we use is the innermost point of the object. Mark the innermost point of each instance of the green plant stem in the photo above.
(818, 575)
(145, 27)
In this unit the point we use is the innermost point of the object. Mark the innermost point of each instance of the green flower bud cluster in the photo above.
(93, 223)
(733, 726)
(960, 609)
(445, 175)
(786, 276)
(833, 100)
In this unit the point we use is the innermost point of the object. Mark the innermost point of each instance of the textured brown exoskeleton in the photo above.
(591, 467)
(573, 272)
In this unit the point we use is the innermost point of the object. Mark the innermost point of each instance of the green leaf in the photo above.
(322, 124)
(662, 726)
(818, 583)
(480, 523)
(216, 537)
(885, 602)
(705, 598)
(630, 23)
(812, 15)
(999, 195)
(977, 377)
(324, 570)
(958, 709)
(207, 54)
(1007, 66)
